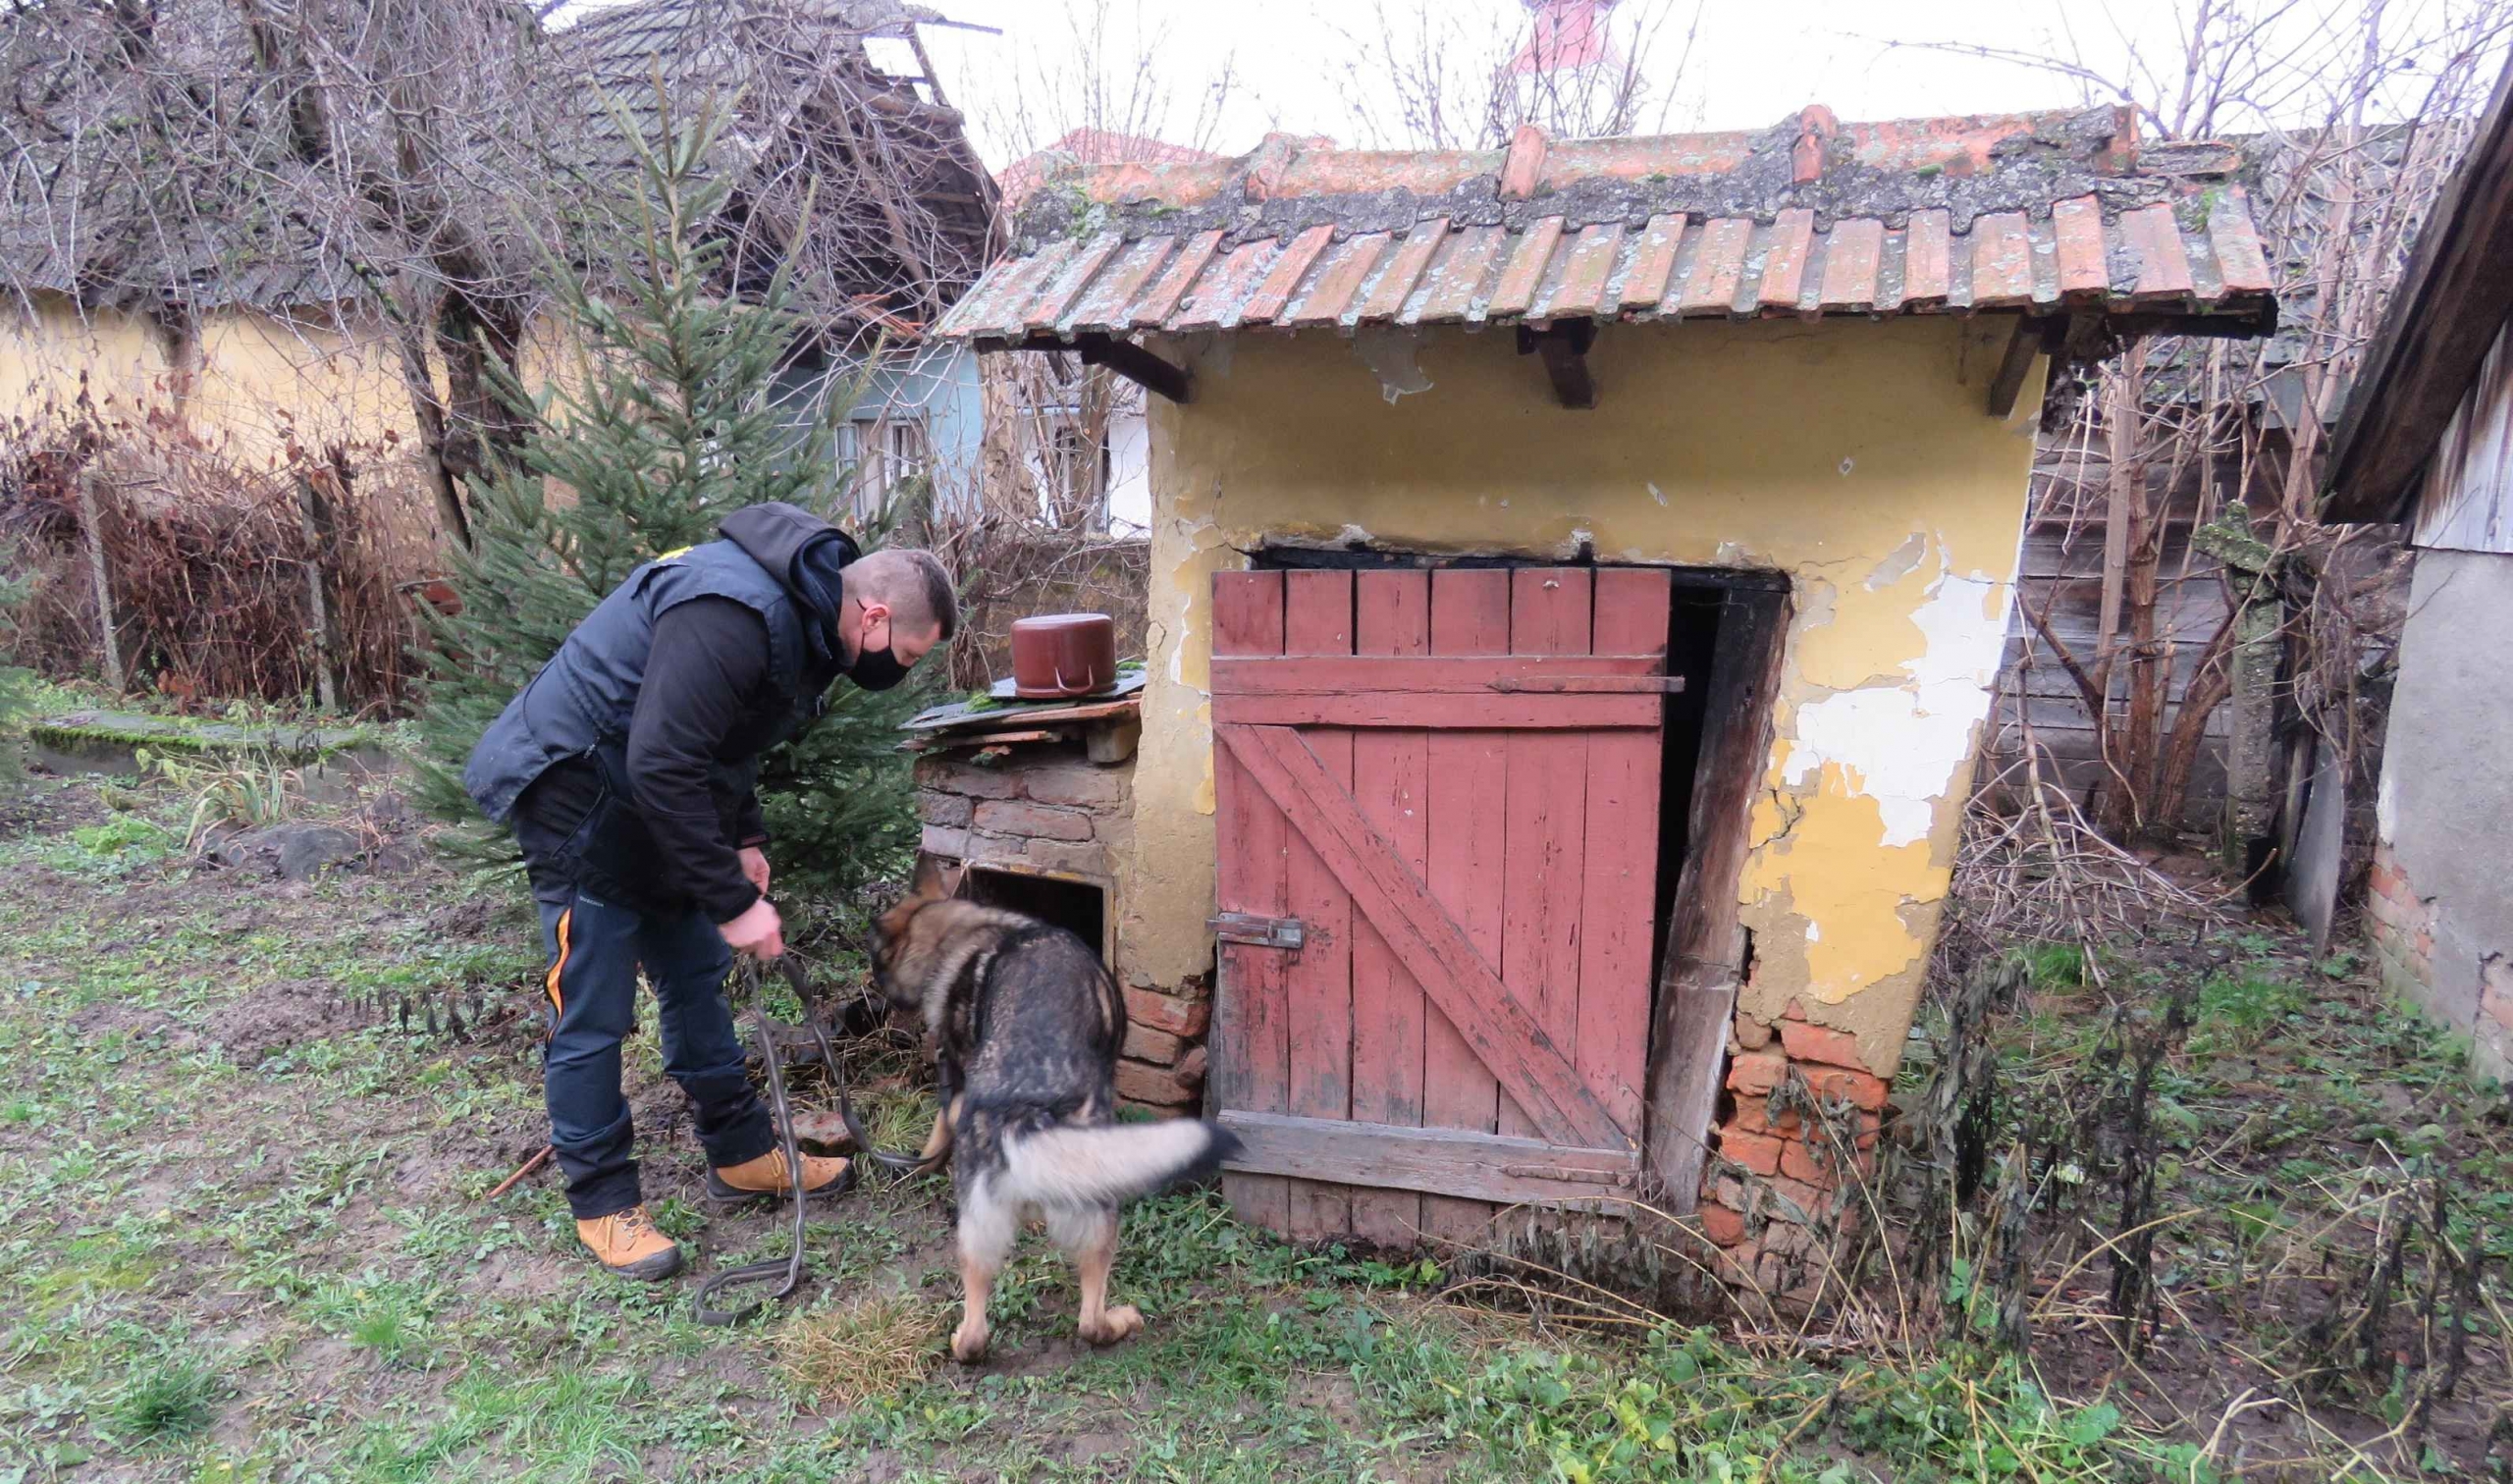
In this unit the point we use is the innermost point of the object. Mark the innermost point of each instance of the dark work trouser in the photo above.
(595, 949)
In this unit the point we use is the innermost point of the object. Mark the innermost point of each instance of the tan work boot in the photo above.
(627, 1243)
(767, 1176)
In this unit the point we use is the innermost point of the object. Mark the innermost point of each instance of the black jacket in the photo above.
(653, 815)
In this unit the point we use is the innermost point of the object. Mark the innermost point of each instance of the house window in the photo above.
(881, 454)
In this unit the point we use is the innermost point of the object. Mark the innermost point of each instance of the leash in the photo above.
(789, 1268)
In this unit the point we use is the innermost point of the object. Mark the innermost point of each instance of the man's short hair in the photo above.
(914, 584)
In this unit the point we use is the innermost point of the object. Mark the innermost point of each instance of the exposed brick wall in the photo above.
(1797, 1137)
(2400, 925)
(1049, 810)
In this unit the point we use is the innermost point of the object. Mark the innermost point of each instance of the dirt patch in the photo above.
(134, 1023)
(272, 1018)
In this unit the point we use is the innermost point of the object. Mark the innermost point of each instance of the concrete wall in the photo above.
(1855, 456)
(2443, 910)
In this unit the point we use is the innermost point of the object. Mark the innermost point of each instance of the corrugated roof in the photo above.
(2035, 212)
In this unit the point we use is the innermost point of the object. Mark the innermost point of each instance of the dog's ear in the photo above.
(934, 880)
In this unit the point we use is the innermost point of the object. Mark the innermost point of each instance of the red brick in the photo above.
(1159, 1048)
(1814, 1199)
(1756, 1072)
(1797, 1163)
(1821, 1043)
(1794, 1011)
(1857, 1088)
(1752, 1033)
(1191, 1068)
(1800, 1162)
(1153, 1085)
(1758, 1153)
(1168, 1011)
(1004, 816)
(1721, 1225)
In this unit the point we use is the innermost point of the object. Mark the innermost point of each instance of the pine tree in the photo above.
(661, 420)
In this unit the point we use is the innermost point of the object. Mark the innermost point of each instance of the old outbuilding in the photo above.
(1579, 572)
(2427, 440)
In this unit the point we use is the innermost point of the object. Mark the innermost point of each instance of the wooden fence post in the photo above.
(108, 630)
(317, 518)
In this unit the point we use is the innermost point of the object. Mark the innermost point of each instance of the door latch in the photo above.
(1257, 931)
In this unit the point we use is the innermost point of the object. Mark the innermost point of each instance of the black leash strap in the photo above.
(790, 1266)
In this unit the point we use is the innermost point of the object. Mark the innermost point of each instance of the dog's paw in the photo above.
(1121, 1323)
(969, 1342)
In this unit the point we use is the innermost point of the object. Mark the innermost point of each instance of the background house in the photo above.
(2428, 441)
(303, 289)
(1750, 411)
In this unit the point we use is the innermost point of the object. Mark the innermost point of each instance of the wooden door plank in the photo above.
(1251, 1051)
(1391, 615)
(1317, 620)
(1450, 1161)
(1480, 675)
(1552, 711)
(1469, 615)
(1705, 947)
(1619, 888)
(1545, 815)
(1505, 1033)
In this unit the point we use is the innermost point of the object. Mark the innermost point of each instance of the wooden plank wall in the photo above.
(2063, 567)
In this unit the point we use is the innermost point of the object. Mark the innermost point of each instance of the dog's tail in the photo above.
(1110, 1163)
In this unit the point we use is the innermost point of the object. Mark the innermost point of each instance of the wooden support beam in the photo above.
(1137, 365)
(2023, 344)
(1563, 348)
(1705, 953)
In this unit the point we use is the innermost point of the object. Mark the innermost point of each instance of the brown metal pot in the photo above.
(1059, 654)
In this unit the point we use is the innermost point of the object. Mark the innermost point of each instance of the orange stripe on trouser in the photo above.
(558, 1002)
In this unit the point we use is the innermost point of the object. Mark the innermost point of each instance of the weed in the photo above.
(2237, 1011)
(875, 1346)
(2052, 965)
(173, 1396)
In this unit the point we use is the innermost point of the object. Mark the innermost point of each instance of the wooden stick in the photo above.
(105, 625)
(529, 1165)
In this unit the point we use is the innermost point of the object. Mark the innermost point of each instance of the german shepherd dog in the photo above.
(1025, 1026)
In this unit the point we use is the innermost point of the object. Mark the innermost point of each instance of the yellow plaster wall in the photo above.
(1855, 456)
(240, 378)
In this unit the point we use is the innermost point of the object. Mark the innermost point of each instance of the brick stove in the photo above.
(1031, 807)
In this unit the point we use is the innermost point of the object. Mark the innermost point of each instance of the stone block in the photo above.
(952, 811)
(966, 778)
(941, 840)
(1080, 785)
(1089, 860)
(1010, 816)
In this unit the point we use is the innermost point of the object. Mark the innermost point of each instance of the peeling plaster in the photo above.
(1906, 746)
(1391, 353)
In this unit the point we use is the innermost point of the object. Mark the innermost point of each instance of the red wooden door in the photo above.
(1437, 838)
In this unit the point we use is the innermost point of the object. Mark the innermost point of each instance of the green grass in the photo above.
(166, 1398)
(288, 1270)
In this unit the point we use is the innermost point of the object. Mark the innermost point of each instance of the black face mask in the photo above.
(877, 669)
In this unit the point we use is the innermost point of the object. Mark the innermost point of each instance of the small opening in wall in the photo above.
(1075, 905)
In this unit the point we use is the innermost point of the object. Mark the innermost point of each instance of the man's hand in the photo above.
(755, 867)
(757, 932)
